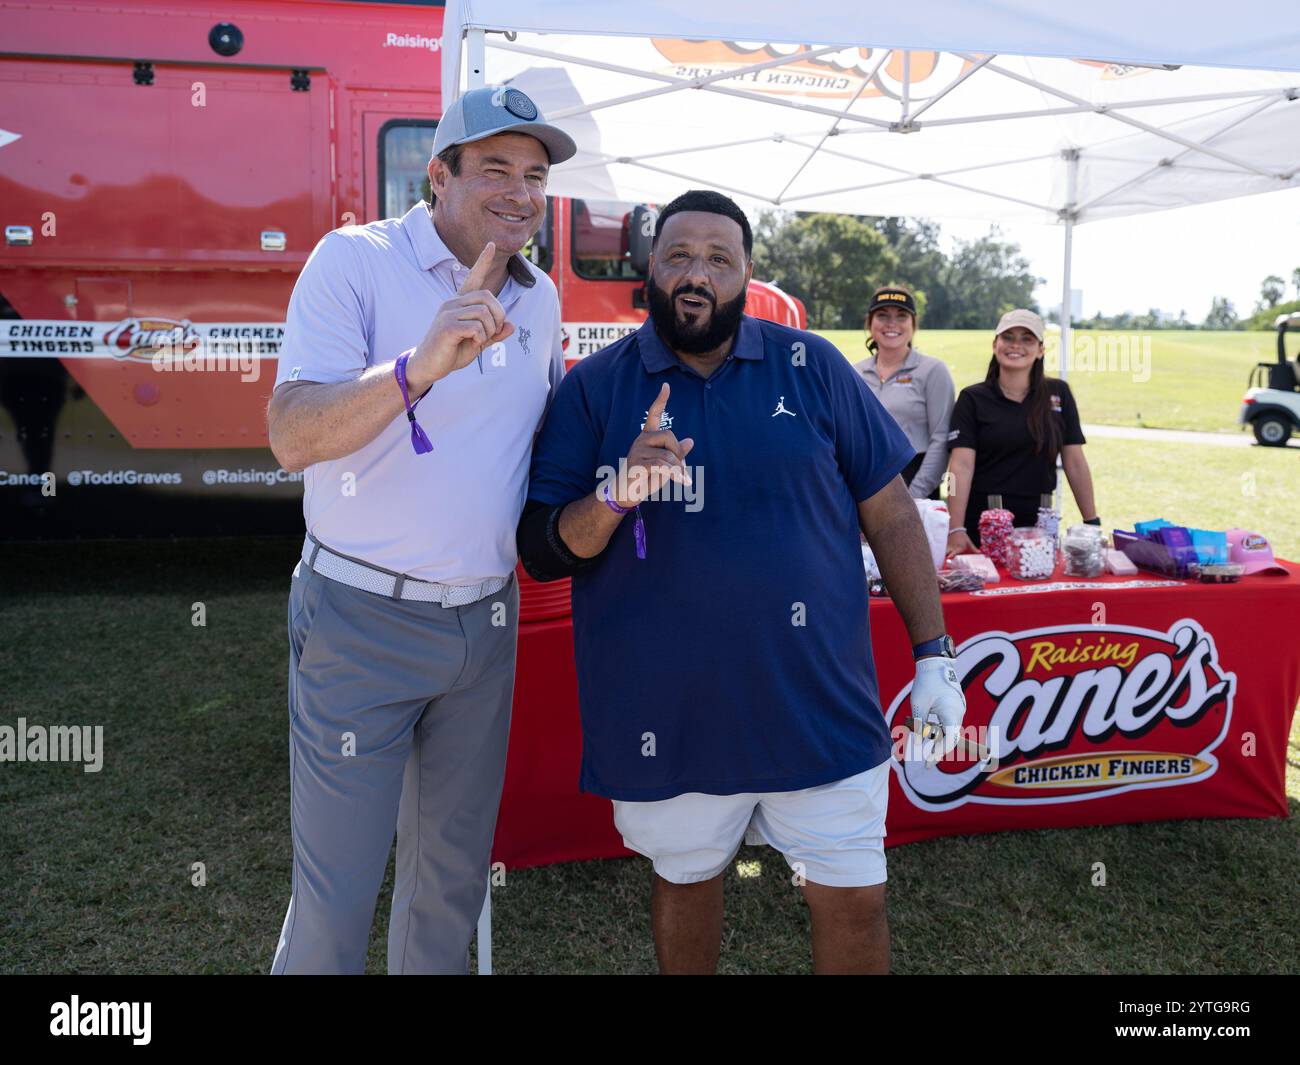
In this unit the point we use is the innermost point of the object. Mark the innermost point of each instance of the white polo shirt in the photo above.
(368, 293)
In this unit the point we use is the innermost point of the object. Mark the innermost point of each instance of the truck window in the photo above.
(404, 148)
(540, 250)
(600, 240)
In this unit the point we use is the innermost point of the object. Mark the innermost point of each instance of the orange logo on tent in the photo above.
(832, 75)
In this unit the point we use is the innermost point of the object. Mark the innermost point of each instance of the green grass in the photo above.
(96, 868)
(1192, 380)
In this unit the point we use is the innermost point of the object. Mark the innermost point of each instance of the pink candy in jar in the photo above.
(995, 531)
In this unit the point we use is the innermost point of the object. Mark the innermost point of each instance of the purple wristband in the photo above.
(638, 527)
(608, 497)
(419, 440)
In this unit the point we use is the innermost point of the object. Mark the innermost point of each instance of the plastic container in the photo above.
(1155, 557)
(960, 580)
(995, 528)
(1222, 572)
(1084, 547)
(1031, 554)
(1049, 518)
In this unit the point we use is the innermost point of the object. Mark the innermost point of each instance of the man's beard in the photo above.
(693, 338)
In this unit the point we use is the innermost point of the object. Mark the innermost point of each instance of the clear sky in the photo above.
(1172, 260)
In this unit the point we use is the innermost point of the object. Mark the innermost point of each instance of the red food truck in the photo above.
(165, 171)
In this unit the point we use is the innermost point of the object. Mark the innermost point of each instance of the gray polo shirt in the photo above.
(920, 395)
(368, 293)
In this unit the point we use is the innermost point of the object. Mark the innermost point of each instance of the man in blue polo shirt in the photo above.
(725, 676)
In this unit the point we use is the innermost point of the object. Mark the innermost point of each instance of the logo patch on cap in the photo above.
(519, 105)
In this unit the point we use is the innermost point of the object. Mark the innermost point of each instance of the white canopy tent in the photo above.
(1004, 110)
(1012, 110)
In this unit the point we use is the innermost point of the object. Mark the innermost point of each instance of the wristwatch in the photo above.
(940, 645)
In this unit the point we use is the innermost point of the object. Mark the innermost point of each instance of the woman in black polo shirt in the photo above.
(1007, 432)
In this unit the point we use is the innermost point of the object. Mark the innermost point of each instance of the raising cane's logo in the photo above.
(139, 339)
(832, 75)
(1073, 713)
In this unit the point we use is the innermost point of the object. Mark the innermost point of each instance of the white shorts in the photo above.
(833, 834)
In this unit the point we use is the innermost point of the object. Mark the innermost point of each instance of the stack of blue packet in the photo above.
(1211, 547)
(1177, 540)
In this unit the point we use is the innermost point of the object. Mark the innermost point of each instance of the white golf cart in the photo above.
(1271, 405)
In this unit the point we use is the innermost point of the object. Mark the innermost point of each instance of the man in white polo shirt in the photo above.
(419, 357)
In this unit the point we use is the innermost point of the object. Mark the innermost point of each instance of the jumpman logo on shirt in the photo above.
(780, 409)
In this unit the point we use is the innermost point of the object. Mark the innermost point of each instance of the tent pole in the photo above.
(485, 933)
(1068, 215)
(476, 53)
(475, 78)
(1057, 503)
(1065, 298)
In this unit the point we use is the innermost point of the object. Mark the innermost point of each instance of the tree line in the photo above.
(833, 262)
(1223, 312)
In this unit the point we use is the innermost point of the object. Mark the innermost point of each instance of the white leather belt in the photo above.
(368, 578)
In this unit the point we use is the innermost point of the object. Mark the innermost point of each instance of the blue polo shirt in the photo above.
(736, 656)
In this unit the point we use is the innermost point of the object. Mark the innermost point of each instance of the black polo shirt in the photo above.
(1006, 464)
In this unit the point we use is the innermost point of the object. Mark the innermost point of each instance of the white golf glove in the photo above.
(937, 694)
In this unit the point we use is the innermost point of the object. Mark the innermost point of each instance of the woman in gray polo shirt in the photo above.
(916, 389)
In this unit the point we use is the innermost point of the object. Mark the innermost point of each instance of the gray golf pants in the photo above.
(399, 713)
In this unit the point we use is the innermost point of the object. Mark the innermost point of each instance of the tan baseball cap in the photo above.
(1025, 319)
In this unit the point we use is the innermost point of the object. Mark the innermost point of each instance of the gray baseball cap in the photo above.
(485, 112)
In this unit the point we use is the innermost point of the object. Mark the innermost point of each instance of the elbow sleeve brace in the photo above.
(545, 556)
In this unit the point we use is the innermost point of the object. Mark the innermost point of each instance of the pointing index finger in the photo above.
(656, 412)
(477, 277)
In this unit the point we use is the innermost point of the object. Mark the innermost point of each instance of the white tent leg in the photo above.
(485, 933)
(1065, 299)
(476, 78)
(1068, 215)
(476, 54)
(1071, 156)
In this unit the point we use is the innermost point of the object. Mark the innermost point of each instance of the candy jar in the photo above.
(995, 527)
(1084, 547)
(1049, 518)
(1031, 554)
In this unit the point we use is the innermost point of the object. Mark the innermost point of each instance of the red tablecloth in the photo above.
(1114, 700)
